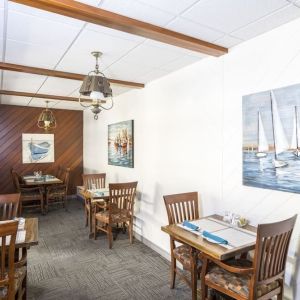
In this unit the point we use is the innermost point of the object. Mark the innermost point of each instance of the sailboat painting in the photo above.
(37, 148)
(271, 139)
(120, 144)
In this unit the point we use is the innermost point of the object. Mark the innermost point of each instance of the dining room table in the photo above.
(239, 241)
(44, 180)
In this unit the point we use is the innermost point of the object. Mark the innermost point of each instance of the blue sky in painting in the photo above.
(287, 98)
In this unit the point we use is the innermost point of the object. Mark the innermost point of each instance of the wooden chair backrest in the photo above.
(59, 173)
(16, 180)
(182, 207)
(271, 250)
(121, 196)
(97, 179)
(9, 204)
(7, 271)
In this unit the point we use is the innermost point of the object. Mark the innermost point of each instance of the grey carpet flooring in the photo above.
(68, 265)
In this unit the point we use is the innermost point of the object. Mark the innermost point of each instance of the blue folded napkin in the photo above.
(190, 225)
(213, 237)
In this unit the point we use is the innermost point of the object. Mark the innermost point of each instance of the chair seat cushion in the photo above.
(182, 254)
(121, 215)
(19, 276)
(236, 283)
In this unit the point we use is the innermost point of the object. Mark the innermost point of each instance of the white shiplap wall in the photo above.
(188, 136)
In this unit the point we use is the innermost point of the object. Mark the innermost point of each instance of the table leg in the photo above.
(194, 272)
(203, 273)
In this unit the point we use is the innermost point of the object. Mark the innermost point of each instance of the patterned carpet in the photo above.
(68, 265)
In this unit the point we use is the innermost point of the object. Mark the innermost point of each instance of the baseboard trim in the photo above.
(153, 246)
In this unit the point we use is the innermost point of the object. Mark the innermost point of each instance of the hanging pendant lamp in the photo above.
(97, 87)
(46, 119)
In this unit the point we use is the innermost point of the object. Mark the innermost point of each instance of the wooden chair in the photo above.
(12, 275)
(88, 181)
(57, 193)
(181, 207)
(9, 205)
(119, 210)
(94, 179)
(261, 279)
(32, 196)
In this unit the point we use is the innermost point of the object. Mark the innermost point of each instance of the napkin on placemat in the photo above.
(190, 225)
(215, 238)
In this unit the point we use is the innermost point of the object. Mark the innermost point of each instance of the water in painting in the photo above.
(271, 139)
(120, 144)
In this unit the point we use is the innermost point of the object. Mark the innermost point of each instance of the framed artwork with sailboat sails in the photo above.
(37, 148)
(120, 144)
(271, 144)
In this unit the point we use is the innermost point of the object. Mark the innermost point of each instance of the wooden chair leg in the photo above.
(109, 236)
(90, 221)
(130, 231)
(173, 271)
(95, 228)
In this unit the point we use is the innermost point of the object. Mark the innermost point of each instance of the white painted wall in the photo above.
(188, 137)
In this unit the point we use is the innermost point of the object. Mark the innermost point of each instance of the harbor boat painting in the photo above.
(271, 150)
(38, 148)
(120, 144)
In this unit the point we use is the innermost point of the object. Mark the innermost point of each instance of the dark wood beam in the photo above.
(61, 74)
(42, 96)
(105, 18)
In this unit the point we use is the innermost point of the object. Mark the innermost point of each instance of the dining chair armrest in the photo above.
(232, 269)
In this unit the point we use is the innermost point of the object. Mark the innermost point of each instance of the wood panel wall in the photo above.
(68, 143)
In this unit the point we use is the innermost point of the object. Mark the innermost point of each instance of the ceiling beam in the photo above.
(91, 14)
(43, 96)
(61, 74)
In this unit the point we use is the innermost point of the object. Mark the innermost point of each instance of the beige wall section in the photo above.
(188, 136)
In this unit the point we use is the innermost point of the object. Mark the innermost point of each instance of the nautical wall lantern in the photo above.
(46, 119)
(97, 87)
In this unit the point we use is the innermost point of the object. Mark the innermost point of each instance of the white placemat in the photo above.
(20, 238)
(236, 238)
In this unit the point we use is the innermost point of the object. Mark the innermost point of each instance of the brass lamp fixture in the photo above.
(97, 87)
(46, 119)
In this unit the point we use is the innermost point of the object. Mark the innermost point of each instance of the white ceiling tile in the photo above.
(44, 14)
(115, 33)
(30, 29)
(41, 102)
(274, 20)
(90, 2)
(227, 16)
(85, 62)
(118, 90)
(152, 75)
(179, 63)
(59, 86)
(67, 105)
(1, 3)
(126, 71)
(228, 41)
(172, 6)
(1, 24)
(1, 48)
(23, 82)
(32, 55)
(137, 10)
(14, 100)
(89, 41)
(181, 51)
(153, 57)
(194, 29)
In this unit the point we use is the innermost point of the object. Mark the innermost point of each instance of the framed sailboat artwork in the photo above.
(271, 145)
(37, 148)
(120, 144)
